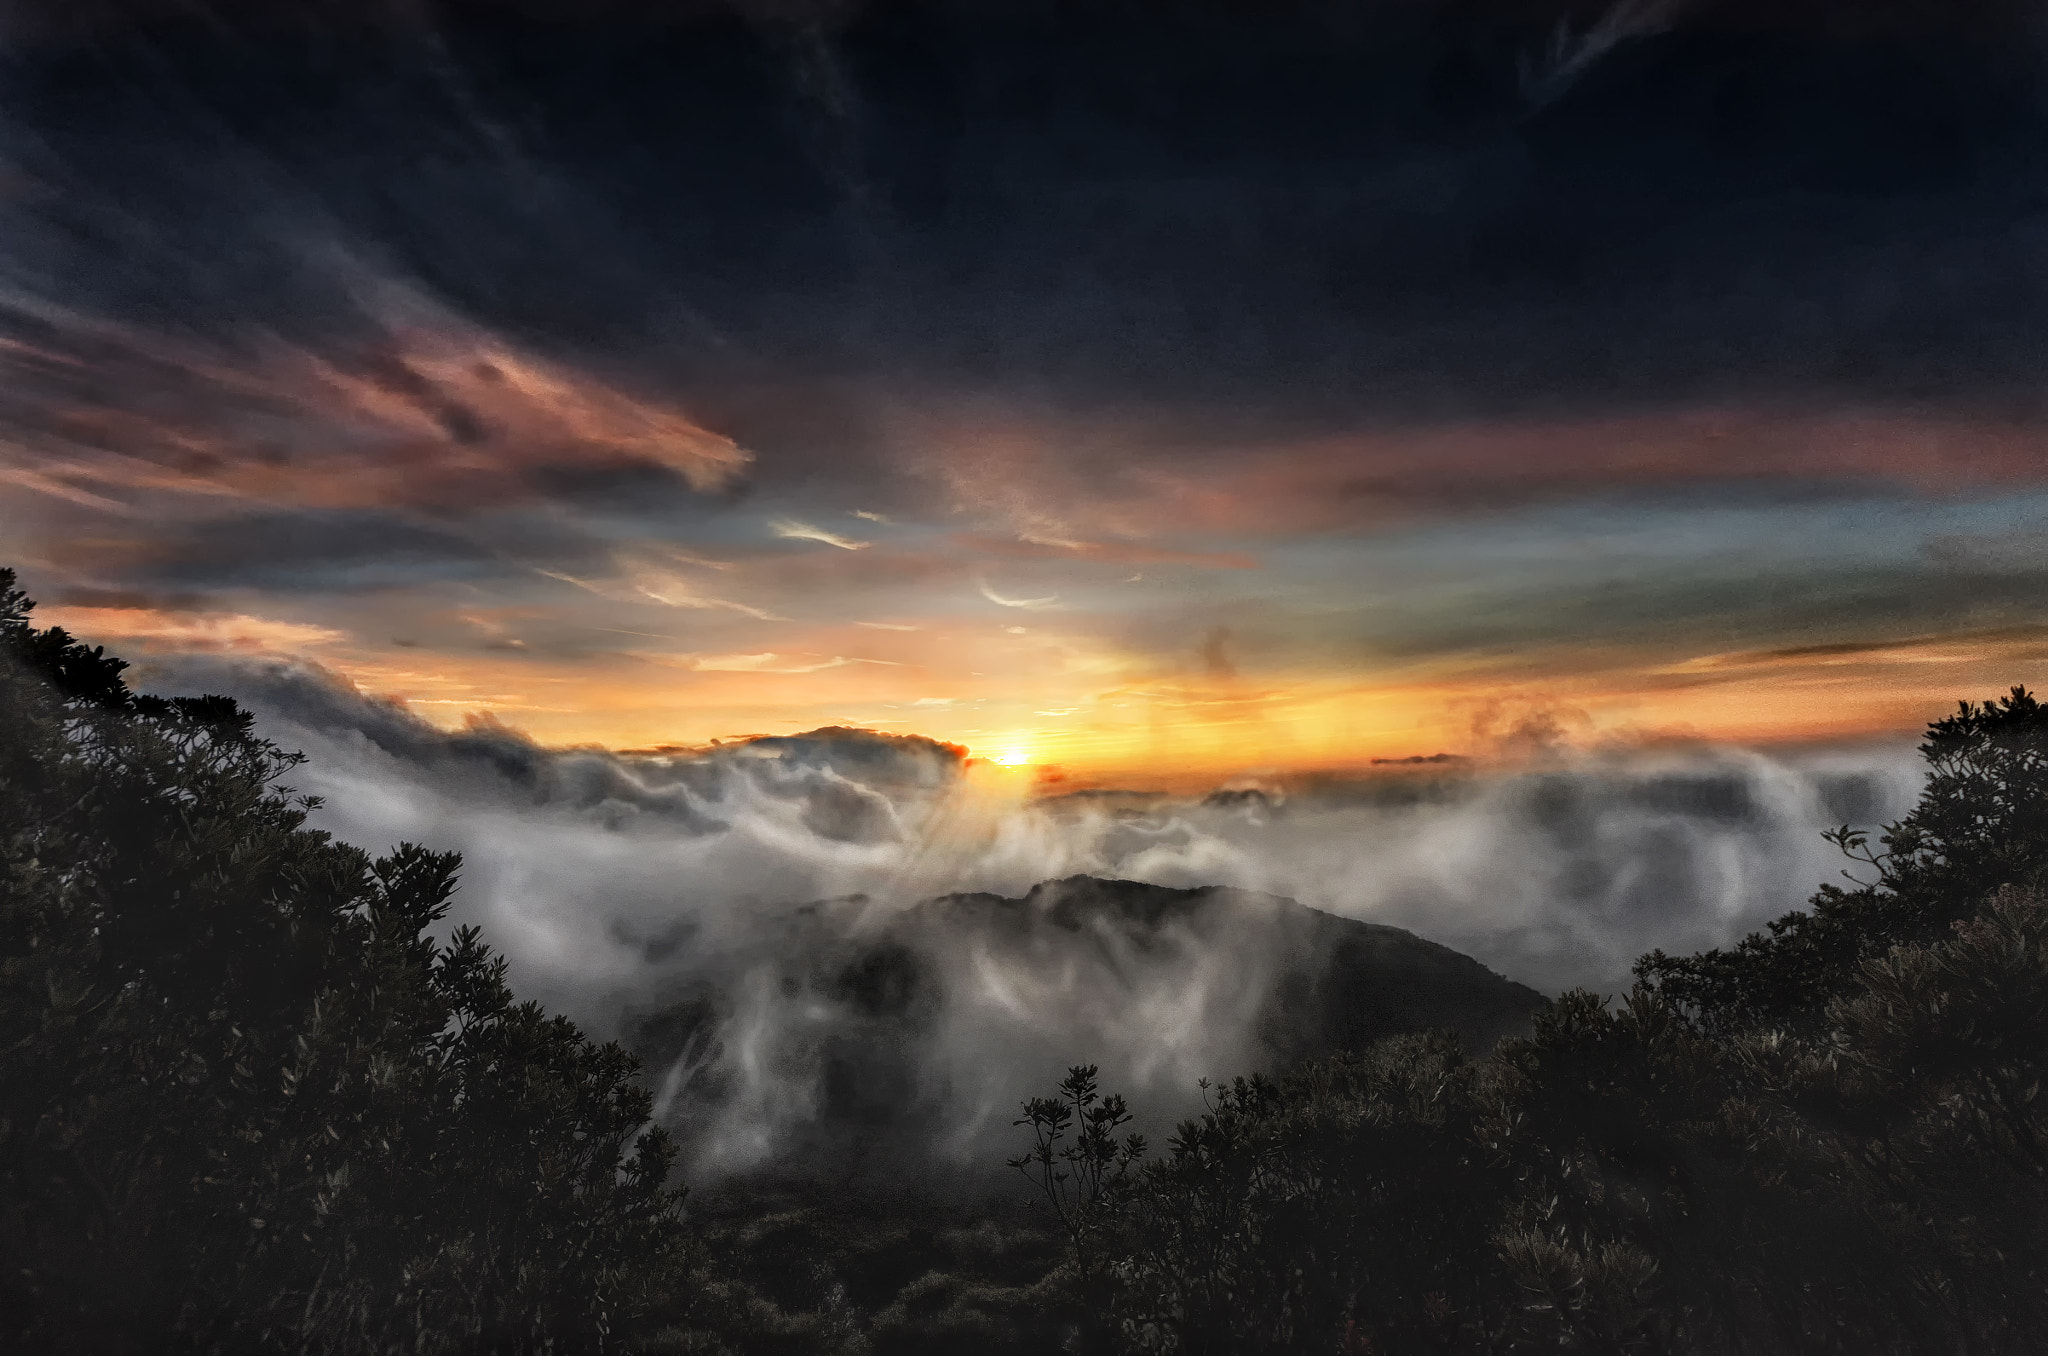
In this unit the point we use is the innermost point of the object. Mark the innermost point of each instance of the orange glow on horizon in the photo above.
(1092, 715)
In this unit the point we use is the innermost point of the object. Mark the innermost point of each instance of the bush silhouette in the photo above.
(1828, 1139)
(247, 1100)
(1981, 822)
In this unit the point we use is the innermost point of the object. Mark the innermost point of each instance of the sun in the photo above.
(1012, 757)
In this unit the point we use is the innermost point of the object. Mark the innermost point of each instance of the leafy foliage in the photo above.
(1981, 822)
(1079, 1175)
(1292, 1210)
(1829, 1139)
(827, 1273)
(247, 1100)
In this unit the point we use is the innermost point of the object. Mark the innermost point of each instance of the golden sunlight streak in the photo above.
(1108, 725)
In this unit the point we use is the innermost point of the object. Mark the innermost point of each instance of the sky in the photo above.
(1140, 394)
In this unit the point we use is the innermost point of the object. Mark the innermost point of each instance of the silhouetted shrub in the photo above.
(1981, 822)
(247, 1101)
(1829, 1139)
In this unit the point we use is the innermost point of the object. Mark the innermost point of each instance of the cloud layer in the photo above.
(1168, 394)
(652, 895)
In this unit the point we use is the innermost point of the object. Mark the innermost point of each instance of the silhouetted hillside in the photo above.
(879, 1048)
(1342, 982)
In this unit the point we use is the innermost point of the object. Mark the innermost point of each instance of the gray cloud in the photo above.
(1150, 208)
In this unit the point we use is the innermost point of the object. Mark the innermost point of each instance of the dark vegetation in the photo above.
(1829, 1138)
(249, 1103)
(245, 1102)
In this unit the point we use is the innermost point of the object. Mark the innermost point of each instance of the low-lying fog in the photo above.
(647, 896)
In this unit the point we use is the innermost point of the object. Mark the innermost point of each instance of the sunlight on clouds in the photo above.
(1108, 713)
(200, 631)
(643, 583)
(1032, 604)
(796, 531)
(1967, 647)
(773, 663)
(56, 488)
(435, 410)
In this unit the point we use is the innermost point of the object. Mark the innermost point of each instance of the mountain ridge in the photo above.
(869, 1027)
(1479, 1003)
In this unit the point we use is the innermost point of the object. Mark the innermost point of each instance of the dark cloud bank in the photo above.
(1231, 224)
(808, 937)
(1409, 208)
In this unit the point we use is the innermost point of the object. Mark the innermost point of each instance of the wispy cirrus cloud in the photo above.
(794, 530)
(1038, 547)
(769, 662)
(2022, 647)
(639, 581)
(1144, 487)
(1572, 51)
(198, 632)
(1028, 604)
(426, 409)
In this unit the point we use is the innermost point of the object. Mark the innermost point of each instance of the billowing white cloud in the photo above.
(655, 896)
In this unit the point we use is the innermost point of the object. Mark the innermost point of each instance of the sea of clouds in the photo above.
(655, 897)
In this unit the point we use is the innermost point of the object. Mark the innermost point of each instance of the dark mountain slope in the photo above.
(854, 1033)
(1339, 982)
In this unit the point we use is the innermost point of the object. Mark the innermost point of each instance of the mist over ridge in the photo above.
(709, 906)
